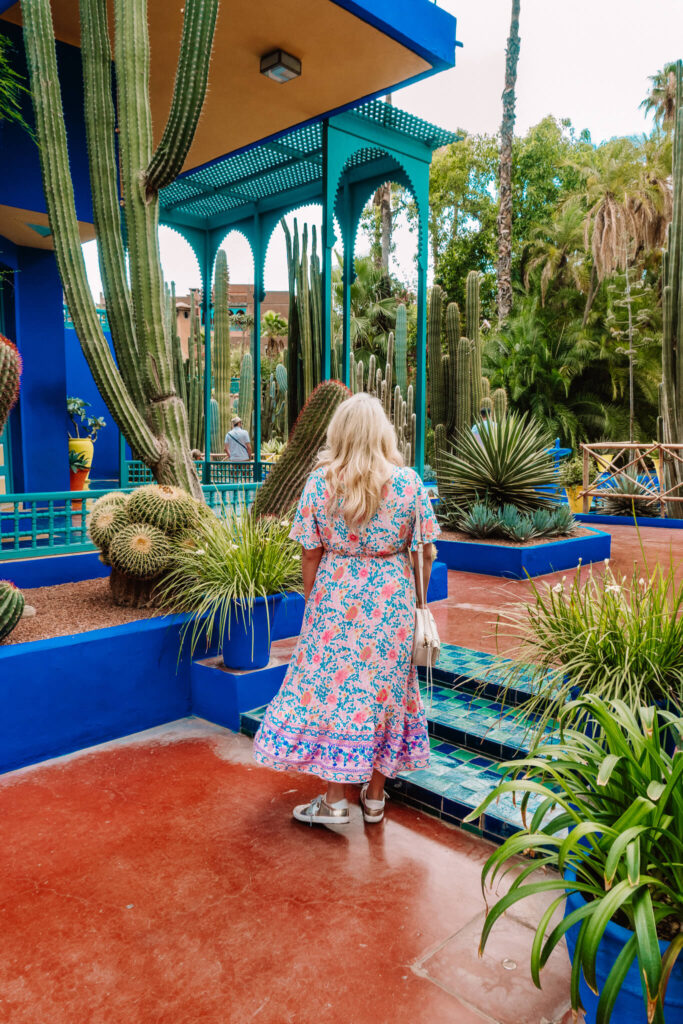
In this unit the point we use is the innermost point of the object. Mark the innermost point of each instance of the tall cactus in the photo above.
(436, 376)
(10, 374)
(285, 482)
(221, 341)
(138, 386)
(472, 314)
(305, 327)
(245, 403)
(401, 347)
(672, 301)
(499, 400)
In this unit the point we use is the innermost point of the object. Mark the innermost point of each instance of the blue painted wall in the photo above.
(40, 458)
(80, 383)
(69, 692)
(20, 179)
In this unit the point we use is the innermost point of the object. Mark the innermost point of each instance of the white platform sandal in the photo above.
(373, 810)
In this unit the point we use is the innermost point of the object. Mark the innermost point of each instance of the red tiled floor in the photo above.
(160, 880)
(468, 615)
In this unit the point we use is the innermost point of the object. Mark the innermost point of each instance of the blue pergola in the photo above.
(338, 162)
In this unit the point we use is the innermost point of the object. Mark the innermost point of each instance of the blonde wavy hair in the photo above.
(358, 458)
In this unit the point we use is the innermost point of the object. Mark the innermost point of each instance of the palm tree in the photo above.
(12, 88)
(556, 250)
(543, 370)
(373, 307)
(505, 168)
(273, 328)
(662, 96)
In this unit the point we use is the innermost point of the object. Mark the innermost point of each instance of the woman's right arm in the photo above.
(427, 558)
(310, 560)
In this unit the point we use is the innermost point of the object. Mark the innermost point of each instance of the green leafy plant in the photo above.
(77, 461)
(232, 561)
(615, 638)
(506, 463)
(571, 471)
(609, 816)
(482, 521)
(76, 410)
(622, 490)
(12, 88)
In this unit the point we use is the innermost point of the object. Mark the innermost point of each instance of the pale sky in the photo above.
(588, 60)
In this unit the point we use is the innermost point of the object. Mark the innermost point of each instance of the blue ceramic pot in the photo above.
(629, 1007)
(247, 644)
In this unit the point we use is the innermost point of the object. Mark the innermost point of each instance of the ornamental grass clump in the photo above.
(609, 818)
(507, 462)
(235, 560)
(618, 638)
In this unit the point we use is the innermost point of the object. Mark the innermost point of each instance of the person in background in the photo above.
(237, 443)
(482, 424)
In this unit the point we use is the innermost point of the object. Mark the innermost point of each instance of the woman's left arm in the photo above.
(310, 560)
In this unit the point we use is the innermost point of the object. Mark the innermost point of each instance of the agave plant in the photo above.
(482, 521)
(622, 490)
(507, 463)
(225, 565)
(609, 817)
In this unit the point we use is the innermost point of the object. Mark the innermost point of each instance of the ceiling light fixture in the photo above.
(280, 66)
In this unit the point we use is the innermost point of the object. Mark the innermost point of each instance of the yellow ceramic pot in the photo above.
(575, 502)
(79, 481)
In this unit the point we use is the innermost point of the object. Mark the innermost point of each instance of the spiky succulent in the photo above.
(10, 372)
(104, 522)
(140, 550)
(169, 508)
(620, 493)
(11, 607)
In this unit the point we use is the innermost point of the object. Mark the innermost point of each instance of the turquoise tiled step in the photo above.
(488, 674)
(454, 784)
(477, 723)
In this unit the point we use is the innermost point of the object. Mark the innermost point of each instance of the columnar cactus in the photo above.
(11, 607)
(221, 343)
(245, 402)
(672, 327)
(401, 344)
(499, 399)
(285, 482)
(436, 377)
(472, 313)
(138, 386)
(305, 329)
(10, 373)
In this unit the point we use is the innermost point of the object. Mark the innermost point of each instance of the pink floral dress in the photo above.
(350, 700)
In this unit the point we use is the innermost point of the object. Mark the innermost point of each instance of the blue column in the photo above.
(347, 281)
(207, 267)
(327, 245)
(421, 380)
(43, 464)
(259, 296)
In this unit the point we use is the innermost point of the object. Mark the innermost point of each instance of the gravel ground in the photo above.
(72, 608)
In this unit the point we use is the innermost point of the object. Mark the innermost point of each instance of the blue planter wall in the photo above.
(518, 562)
(70, 692)
(53, 570)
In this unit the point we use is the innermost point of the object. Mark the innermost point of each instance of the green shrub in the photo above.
(611, 811)
(618, 639)
(507, 463)
(571, 471)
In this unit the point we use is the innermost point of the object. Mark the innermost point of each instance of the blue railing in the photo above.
(55, 522)
(135, 473)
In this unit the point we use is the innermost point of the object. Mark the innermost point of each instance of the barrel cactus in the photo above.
(170, 509)
(140, 550)
(105, 521)
(10, 372)
(11, 607)
(285, 482)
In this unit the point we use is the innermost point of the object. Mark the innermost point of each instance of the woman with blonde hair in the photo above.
(349, 709)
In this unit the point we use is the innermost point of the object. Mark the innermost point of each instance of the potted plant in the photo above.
(606, 812)
(231, 577)
(571, 478)
(83, 443)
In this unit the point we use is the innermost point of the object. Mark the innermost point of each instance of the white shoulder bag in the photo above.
(426, 642)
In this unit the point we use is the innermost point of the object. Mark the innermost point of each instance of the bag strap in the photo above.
(420, 552)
